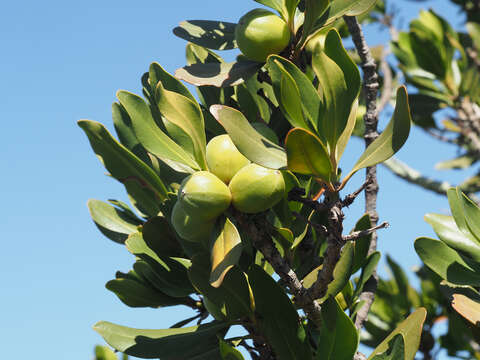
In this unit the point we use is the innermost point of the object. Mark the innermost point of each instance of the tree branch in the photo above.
(370, 84)
(257, 228)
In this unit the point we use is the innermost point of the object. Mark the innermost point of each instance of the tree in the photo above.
(238, 198)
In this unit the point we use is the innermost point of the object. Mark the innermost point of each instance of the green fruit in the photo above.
(255, 189)
(188, 227)
(260, 33)
(223, 158)
(204, 195)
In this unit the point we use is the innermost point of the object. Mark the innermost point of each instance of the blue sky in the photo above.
(63, 61)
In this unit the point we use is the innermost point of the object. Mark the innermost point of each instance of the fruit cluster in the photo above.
(231, 180)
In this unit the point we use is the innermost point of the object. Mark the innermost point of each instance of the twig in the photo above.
(440, 137)
(332, 253)
(257, 229)
(350, 198)
(358, 234)
(296, 194)
(370, 84)
(323, 230)
(413, 176)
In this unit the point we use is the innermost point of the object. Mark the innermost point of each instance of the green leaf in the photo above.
(447, 230)
(286, 8)
(135, 293)
(218, 74)
(249, 142)
(233, 295)
(229, 352)
(471, 213)
(310, 101)
(226, 251)
(446, 262)
(367, 271)
(395, 351)
(307, 155)
(338, 337)
(467, 307)
(126, 135)
(104, 353)
(362, 244)
(341, 273)
(411, 330)
(334, 88)
(218, 35)
(314, 9)
(347, 132)
(159, 236)
(149, 134)
(339, 8)
(278, 320)
(157, 74)
(399, 275)
(187, 115)
(474, 32)
(171, 272)
(119, 161)
(114, 223)
(460, 162)
(167, 344)
(391, 139)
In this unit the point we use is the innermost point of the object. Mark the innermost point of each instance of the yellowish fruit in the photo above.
(255, 189)
(223, 158)
(204, 195)
(260, 33)
(190, 227)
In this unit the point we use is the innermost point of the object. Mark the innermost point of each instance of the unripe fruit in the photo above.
(260, 33)
(204, 195)
(255, 189)
(223, 158)
(188, 227)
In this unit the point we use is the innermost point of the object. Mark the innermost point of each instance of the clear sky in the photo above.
(61, 61)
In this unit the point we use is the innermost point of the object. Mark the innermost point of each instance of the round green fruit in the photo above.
(255, 189)
(260, 33)
(190, 227)
(204, 195)
(223, 158)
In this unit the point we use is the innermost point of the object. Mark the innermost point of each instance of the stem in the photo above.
(370, 84)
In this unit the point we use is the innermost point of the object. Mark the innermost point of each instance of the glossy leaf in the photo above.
(286, 8)
(119, 161)
(446, 262)
(226, 251)
(167, 344)
(281, 68)
(367, 271)
(249, 142)
(456, 206)
(233, 295)
(338, 337)
(138, 294)
(411, 330)
(229, 352)
(159, 236)
(306, 154)
(341, 273)
(395, 351)
(334, 88)
(314, 9)
(126, 135)
(218, 35)
(362, 244)
(218, 74)
(187, 115)
(467, 307)
(347, 132)
(447, 231)
(472, 215)
(157, 74)
(149, 134)
(278, 320)
(391, 139)
(112, 222)
(171, 272)
(104, 353)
